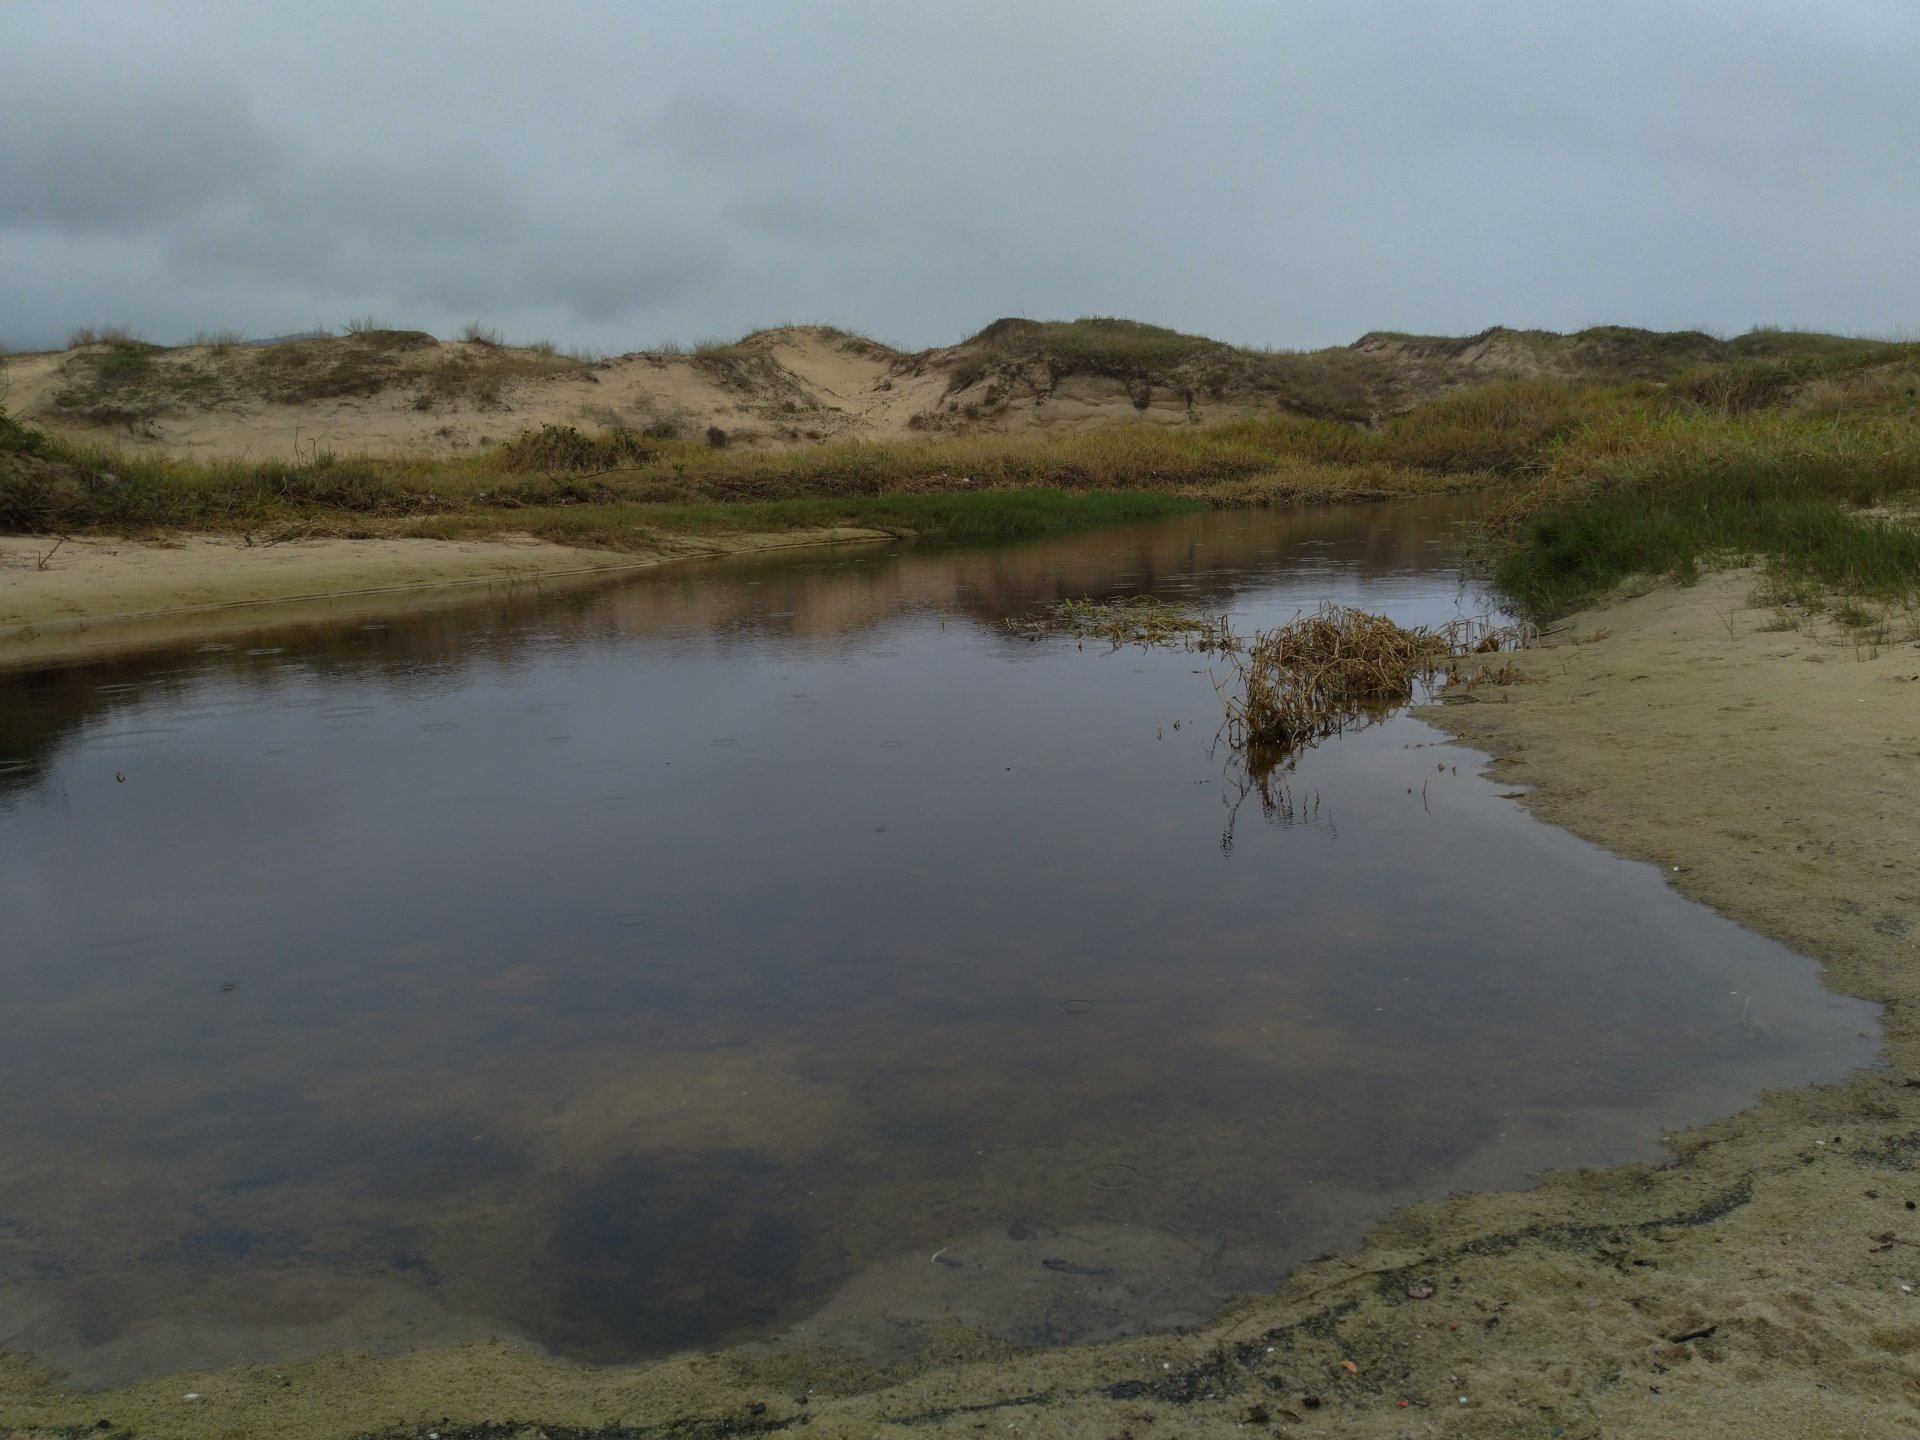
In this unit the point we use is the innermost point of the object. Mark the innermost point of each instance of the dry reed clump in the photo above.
(1328, 672)
(1130, 620)
(1315, 676)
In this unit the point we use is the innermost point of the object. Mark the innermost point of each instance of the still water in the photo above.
(778, 949)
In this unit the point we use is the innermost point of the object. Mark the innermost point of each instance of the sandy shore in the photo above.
(1756, 1286)
(96, 596)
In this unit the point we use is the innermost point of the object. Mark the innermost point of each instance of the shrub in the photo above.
(562, 447)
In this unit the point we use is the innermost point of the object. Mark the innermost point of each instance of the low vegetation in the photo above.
(1143, 620)
(1380, 375)
(1319, 674)
(605, 484)
(991, 515)
(1823, 498)
(1286, 689)
(1012, 359)
(1669, 453)
(112, 378)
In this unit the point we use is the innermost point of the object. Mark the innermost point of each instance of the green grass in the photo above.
(619, 483)
(1571, 555)
(1673, 495)
(992, 515)
(1144, 456)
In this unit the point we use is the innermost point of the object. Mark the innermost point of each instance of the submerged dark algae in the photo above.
(784, 944)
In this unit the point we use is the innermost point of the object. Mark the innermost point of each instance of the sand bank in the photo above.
(1756, 1286)
(94, 596)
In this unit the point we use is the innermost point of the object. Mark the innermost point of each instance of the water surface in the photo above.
(781, 947)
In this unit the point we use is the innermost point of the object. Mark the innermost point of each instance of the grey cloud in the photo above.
(717, 130)
(812, 219)
(86, 158)
(597, 283)
(436, 240)
(1296, 174)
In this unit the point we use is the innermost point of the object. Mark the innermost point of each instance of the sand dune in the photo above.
(793, 386)
(405, 391)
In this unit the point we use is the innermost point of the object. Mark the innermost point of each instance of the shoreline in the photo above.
(1747, 1288)
(100, 596)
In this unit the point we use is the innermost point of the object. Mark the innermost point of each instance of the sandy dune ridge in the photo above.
(387, 391)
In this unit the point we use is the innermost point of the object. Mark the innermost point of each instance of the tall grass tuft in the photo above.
(1668, 496)
(1318, 674)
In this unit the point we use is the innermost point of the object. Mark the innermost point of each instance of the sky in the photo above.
(1277, 172)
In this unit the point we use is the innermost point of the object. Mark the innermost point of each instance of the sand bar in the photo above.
(94, 596)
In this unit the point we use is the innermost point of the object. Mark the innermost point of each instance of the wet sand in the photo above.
(1752, 1287)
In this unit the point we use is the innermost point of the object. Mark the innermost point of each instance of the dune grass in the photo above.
(1771, 456)
(1382, 374)
(987, 516)
(1675, 494)
(1096, 344)
(72, 487)
(1337, 384)
(113, 378)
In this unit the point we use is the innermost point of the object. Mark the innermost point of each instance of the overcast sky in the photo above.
(1286, 172)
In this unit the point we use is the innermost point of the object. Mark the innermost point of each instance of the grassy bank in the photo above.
(1777, 454)
(1493, 435)
(1673, 494)
(610, 488)
(991, 515)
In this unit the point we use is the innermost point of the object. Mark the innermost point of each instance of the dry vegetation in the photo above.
(1291, 687)
(1143, 620)
(1015, 362)
(764, 389)
(1620, 450)
(1317, 675)
(1302, 682)
(112, 378)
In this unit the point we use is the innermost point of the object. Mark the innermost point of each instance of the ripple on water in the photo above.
(1114, 1175)
(1633, 1072)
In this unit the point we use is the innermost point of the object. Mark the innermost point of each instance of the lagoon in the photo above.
(779, 950)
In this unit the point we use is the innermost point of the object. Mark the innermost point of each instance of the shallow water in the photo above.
(779, 948)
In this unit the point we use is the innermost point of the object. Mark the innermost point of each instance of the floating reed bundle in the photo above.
(1321, 673)
(1307, 680)
(1131, 620)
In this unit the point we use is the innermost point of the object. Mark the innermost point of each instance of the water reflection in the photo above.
(656, 965)
(1391, 551)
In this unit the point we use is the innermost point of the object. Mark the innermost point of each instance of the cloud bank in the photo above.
(612, 174)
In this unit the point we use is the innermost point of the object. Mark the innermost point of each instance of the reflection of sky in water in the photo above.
(631, 967)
